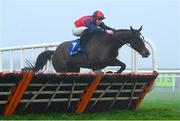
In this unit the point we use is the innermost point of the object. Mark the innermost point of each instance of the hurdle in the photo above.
(28, 92)
(73, 92)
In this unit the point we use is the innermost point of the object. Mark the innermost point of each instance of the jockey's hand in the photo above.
(109, 32)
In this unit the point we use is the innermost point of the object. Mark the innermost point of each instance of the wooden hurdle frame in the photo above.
(72, 92)
(17, 94)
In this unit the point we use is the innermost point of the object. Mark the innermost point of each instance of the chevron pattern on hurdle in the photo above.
(72, 92)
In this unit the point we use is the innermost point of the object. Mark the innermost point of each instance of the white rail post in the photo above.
(133, 60)
(1, 64)
(11, 61)
(154, 53)
(33, 54)
(48, 64)
(21, 58)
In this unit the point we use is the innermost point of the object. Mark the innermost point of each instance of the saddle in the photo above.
(74, 47)
(80, 43)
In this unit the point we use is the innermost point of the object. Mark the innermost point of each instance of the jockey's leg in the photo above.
(77, 31)
(82, 33)
(84, 37)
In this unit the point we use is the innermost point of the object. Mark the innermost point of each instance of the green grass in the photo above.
(159, 104)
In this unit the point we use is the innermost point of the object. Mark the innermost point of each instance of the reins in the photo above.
(123, 41)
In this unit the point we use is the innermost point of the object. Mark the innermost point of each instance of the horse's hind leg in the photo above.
(72, 68)
(60, 68)
(59, 63)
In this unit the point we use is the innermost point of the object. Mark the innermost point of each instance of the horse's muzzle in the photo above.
(145, 53)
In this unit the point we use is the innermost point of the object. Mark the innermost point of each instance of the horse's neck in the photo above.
(98, 38)
(106, 41)
(123, 37)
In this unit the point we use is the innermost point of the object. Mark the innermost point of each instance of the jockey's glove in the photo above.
(109, 32)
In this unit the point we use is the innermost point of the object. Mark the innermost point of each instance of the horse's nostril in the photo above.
(147, 53)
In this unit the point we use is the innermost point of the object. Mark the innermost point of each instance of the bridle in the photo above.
(123, 41)
(126, 42)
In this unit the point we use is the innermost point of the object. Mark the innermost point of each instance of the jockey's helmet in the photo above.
(98, 15)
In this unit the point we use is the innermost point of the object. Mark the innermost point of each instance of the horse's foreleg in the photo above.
(118, 63)
(123, 67)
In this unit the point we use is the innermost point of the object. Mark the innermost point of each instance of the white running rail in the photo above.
(21, 50)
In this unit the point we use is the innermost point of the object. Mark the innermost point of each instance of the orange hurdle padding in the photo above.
(143, 94)
(16, 97)
(82, 104)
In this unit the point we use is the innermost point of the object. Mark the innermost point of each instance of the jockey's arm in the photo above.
(92, 27)
(102, 25)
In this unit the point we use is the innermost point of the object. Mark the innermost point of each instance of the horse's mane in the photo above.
(120, 30)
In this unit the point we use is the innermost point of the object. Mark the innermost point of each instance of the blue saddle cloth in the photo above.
(74, 47)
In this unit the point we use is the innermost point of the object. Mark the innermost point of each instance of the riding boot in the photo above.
(83, 39)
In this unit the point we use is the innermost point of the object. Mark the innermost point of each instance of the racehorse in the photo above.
(101, 50)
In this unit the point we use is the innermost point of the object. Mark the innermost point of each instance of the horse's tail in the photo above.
(42, 60)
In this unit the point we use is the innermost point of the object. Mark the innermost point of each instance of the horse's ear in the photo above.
(132, 30)
(140, 28)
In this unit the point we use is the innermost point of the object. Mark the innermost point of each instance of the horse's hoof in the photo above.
(109, 72)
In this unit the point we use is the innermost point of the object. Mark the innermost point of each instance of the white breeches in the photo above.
(77, 31)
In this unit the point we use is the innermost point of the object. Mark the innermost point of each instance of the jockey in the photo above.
(87, 25)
